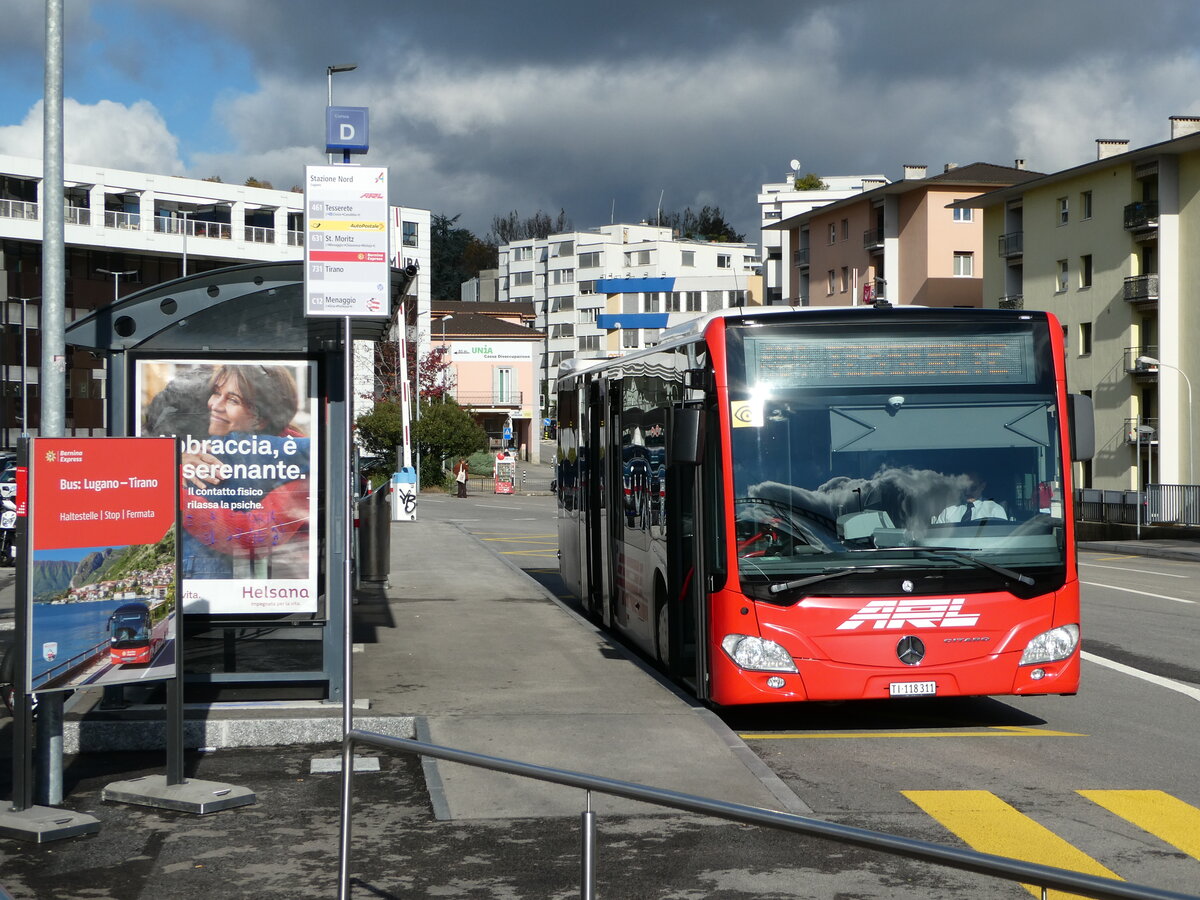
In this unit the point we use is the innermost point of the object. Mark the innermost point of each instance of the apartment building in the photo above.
(125, 231)
(782, 200)
(569, 277)
(1105, 247)
(897, 241)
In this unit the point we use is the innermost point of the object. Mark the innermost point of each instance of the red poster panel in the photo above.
(103, 557)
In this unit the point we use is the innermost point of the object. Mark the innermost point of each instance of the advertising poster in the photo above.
(247, 479)
(102, 585)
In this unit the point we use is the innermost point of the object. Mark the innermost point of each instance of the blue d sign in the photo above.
(346, 129)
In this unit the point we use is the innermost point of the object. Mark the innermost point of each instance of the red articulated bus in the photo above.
(831, 504)
(133, 639)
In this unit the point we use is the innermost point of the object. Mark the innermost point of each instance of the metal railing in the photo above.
(1161, 504)
(77, 215)
(872, 238)
(124, 220)
(1133, 354)
(1012, 244)
(18, 209)
(487, 398)
(257, 234)
(1143, 214)
(987, 864)
(1149, 431)
(1140, 288)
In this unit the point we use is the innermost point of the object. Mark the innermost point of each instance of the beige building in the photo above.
(1104, 246)
(897, 241)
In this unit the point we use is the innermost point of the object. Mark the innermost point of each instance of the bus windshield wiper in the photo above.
(780, 586)
(954, 553)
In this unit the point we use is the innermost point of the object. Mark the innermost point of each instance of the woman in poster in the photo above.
(244, 473)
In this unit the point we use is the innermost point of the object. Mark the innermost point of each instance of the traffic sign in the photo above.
(346, 269)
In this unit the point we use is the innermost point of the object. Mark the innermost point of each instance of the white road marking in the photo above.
(1186, 689)
(1139, 571)
(1113, 587)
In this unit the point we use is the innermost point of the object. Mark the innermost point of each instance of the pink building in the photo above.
(492, 373)
(898, 241)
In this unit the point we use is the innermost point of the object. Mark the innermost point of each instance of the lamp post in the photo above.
(330, 71)
(117, 276)
(1147, 431)
(1151, 361)
(445, 365)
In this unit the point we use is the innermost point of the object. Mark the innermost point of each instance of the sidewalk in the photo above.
(1159, 549)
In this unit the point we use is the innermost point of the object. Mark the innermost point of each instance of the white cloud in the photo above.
(106, 134)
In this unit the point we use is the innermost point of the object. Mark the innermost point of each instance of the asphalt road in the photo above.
(1101, 782)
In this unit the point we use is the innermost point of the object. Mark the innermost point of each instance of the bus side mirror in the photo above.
(687, 436)
(1082, 419)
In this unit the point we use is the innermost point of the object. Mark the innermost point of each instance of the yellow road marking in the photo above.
(999, 731)
(989, 825)
(547, 554)
(1167, 818)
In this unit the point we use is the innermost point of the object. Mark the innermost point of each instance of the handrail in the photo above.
(1047, 877)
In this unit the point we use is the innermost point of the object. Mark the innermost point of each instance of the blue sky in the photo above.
(480, 108)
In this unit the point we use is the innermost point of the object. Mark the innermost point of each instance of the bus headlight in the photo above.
(757, 653)
(1051, 646)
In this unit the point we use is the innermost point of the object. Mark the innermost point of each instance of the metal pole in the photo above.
(587, 881)
(24, 375)
(347, 647)
(1138, 431)
(54, 363)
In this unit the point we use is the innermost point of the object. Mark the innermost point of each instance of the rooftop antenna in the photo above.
(660, 199)
(612, 217)
(795, 166)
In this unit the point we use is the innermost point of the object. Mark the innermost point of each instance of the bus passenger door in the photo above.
(685, 621)
(594, 524)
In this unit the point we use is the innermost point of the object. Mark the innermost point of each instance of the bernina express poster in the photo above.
(102, 582)
(247, 479)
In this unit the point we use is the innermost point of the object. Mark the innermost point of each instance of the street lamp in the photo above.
(116, 280)
(445, 365)
(1151, 361)
(329, 73)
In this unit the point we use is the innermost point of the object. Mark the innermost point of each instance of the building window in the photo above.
(1085, 271)
(845, 282)
(1085, 205)
(964, 264)
(522, 254)
(723, 260)
(637, 258)
(651, 301)
(589, 342)
(565, 248)
(687, 258)
(1063, 211)
(564, 276)
(590, 260)
(410, 233)
(673, 301)
(716, 300)
(587, 287)
(832, 282)
(964, 215)
(845, 229)
(522, 279)
(650, 336)
(588, 316)
(694, 301)
(629, 338)
(1085, 338)
(1062, 276)
(832, 234)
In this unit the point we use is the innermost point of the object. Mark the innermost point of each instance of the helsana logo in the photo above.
(922, 613)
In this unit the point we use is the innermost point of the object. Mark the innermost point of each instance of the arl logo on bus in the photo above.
(884, 614)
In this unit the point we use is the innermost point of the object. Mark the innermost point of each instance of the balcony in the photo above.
(18, 209)
(1134, 367)
(873, 239)
(1012, 301)
(1141, 289)
(800, 258)
(1142, 218)
(487, 399)
(1149, 431)
(1012, 244)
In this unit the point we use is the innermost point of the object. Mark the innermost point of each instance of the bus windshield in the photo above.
(921, 453)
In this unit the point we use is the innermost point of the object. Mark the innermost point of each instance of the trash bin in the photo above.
(374, 535)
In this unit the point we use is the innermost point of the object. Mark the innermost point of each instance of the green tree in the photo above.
(512, 227)
(706, 225)
(810, 181)
(445, 431)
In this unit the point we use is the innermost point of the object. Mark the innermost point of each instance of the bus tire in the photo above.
(662, 630)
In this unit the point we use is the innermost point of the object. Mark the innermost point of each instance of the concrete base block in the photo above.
(193, 796)
(45, 823)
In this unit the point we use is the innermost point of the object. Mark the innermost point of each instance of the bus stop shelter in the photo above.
(251, 316)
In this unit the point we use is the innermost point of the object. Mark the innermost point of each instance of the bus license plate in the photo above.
(912, 688)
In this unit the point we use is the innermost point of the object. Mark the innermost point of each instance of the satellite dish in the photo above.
(795, 164)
